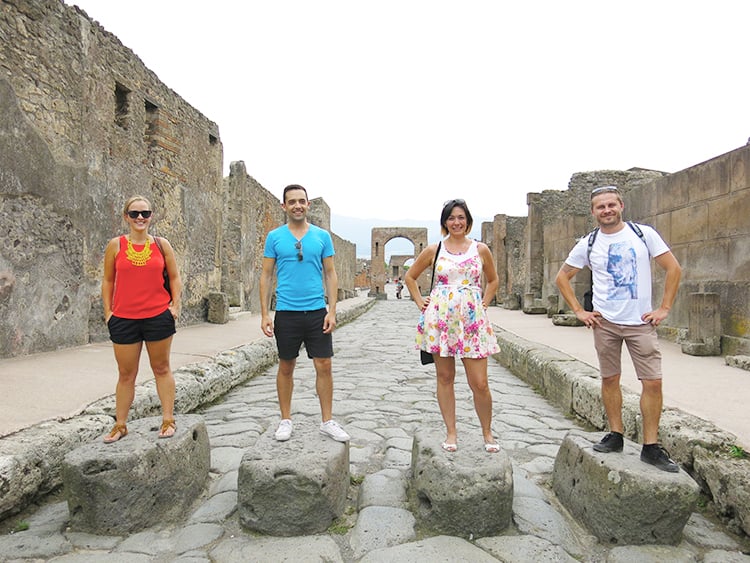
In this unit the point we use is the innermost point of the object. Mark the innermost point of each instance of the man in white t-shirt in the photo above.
(619, 256)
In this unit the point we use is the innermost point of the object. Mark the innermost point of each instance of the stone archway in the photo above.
(380, 237)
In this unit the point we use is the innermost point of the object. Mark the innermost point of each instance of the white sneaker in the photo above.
(284, 431)
(333, 429)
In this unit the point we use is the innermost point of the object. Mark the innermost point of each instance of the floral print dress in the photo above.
(455, 323)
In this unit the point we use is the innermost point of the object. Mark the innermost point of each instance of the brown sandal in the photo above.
(118, 431)
(165, 426)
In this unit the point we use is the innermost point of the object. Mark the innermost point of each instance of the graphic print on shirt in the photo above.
(623, 267)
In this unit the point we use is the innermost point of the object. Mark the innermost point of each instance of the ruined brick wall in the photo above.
(362, 276)
(85, 126)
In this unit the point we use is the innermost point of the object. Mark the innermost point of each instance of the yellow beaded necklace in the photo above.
(138, 258)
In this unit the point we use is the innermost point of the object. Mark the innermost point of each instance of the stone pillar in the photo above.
(704, 325)
(218, 308)
(535, 248)
(499, 231)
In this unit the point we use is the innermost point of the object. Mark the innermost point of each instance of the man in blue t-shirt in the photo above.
(619, 256)
(302, 255)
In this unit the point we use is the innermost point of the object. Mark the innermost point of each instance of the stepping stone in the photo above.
(621, 499)
(466, 493)
(138, 481)
(293, 488)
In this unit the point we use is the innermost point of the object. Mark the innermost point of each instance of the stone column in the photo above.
(535, 248)
(704, 325)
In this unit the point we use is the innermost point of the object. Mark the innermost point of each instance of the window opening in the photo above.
(122, 105)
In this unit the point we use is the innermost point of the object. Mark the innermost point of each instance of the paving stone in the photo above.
(381, 526)
(527, 427)
(440, 549)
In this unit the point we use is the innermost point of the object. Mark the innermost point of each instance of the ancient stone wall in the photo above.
(702, 212)
(362, 276)
(83, 126)
(396, 265)
(251, 212)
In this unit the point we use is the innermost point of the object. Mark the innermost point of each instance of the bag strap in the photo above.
(437, 253)
(158, 244)
(634, 227)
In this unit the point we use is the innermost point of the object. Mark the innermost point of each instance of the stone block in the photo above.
(740, 361)
(218, 308)
(469, 492)
(621, 499)
(138, 481)
(566, 319)
(293, 488)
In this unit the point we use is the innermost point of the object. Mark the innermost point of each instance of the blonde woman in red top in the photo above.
(138, 309)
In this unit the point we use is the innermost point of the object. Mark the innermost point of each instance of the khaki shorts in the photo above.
(642, 343)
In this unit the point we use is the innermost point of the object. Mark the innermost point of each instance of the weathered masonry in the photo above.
(83, 126)
(702, 212)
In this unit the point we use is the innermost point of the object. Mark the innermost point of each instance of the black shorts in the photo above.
(293, 328)
(130, 331)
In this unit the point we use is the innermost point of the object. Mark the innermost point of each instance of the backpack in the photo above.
(588, 296)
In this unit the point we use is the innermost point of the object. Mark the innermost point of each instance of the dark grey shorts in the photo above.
(293, 328)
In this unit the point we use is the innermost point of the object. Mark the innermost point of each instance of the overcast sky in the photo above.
(386, 109)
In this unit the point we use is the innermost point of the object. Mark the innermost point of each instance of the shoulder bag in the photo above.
(164, 273)
(426, 357)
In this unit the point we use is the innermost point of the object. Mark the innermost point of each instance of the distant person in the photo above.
(137, 309)
(454, 322)
(399, 288)
(619, 258)
(303, 257)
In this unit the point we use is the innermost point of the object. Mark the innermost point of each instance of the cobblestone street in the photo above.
(382, 395)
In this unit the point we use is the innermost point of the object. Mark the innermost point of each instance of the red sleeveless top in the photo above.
(139, 283)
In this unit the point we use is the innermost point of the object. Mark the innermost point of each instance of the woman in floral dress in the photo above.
(454, 322)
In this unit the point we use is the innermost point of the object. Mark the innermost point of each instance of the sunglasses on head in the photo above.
(145, 214)
(604, 190)
(454, 202)
(298, 246)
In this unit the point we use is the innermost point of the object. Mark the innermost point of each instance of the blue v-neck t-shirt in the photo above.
(299, 283)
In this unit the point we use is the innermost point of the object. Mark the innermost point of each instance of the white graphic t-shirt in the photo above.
(621, 268)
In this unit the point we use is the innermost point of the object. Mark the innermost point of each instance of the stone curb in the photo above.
(31, 459)
(699, 446)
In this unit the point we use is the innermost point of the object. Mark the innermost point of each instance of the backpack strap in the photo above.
(635, 228)
(592, 238)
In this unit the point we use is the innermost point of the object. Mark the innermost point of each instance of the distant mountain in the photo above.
(359, 231)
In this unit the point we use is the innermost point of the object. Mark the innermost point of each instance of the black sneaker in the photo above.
(657, 456)
(612, 442)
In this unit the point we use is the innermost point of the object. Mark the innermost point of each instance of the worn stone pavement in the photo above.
(382, 394)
